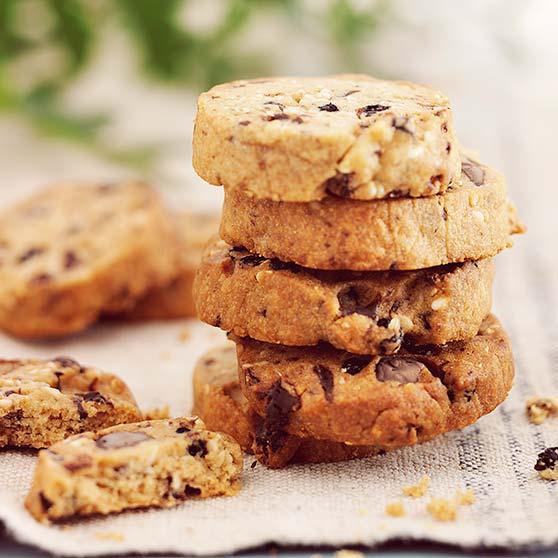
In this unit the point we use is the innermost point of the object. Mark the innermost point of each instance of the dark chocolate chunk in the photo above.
(340, 185)
(399, 369)
(198, 447)
(278, 265)
(473, 171)
(251, 376)
(45, 502)
(30, 254)
(79, 462)
(369, 110)
(117, 440)
(192, 490)
(67, 362)
(350, 303)
(182, 429)
(401, 123)
(329, 107)
(355, 364)
(90, 396)
(547, 459)
(276, 116)
(70, 259)
(326, 380)
(41, 279)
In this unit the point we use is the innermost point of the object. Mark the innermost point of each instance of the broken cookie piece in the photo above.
(547, 464)
(45, 401)
(152, 463)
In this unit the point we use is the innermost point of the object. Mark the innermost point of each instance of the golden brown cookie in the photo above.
(361, 312)
(152, 463)
(71, 253)
(394, 401)
(175, 299)
(219, 401)
(301, 139)
(45, 401)
(468, 222)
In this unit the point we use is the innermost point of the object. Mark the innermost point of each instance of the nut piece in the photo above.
(540, 408)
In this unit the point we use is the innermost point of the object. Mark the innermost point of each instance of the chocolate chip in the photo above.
(245, 258)
(474, 172)
(369, 110)
(70, 259)
(9, 392)
(182, 430)
(251, 376)
(244, 123)
(276, 116)
(198, 447)
(340, 184)
(329, 107)
(392, 344)
(278, 265)
(401, 123)
(326, 380)
(30, 254)
(192, 490)
(547, 459)
(350, 92)
(45, 502)
(350, 303)
(58, 375)
(355, 364)
(79, 462)
(67, 362)
(118, 440)
(92, 397)
(398, 369)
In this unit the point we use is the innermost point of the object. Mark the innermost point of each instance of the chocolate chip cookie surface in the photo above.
(44, 401)
(71, 253)
(469, 222)
(219, 401)
(388, 401)
(175, 299)
(360, 312)
(302, 139)
(152, 463)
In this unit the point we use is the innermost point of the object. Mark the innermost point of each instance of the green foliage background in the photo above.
(167, 51)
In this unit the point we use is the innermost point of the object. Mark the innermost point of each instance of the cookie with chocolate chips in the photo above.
(44, 401)
(360, 312)
(303, 139)
(71, 253)
(386, 401)
(471, 221)
(156, 463)
(175, 299)
(219, 401)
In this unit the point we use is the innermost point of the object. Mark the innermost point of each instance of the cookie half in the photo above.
(175, 299)
(219, 401)
(45, 401)
(301, 139)
(393, 401)
(153, 463)
(71, 253)
(468, 222)
(360, 312)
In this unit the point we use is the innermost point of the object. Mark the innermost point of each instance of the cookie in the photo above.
(469, 222)
(219, 401)
(301, 139)
(175, 299)
(370, 312)
(71, 253)
(153, 463)
(45, 401)
(392, 401)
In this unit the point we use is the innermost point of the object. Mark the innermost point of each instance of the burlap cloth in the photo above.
(336, 504)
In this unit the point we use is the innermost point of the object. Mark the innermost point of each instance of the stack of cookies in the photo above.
(354, 272)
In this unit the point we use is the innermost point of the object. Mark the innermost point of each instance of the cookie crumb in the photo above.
(417, 490)
(347, 553)
(109, 536)
(547, 464)
(395, 509)
(442, 509)
(466, 497)
(541, 408)
(184, 334)
(157, 413)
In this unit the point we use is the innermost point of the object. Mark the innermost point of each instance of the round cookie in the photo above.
(71, 253)
(468, 222)
(360, 312)
(389, 402)
(175, 299)
(219, 402)
(301, 139)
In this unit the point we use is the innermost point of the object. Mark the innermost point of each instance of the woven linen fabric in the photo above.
(334, 504)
